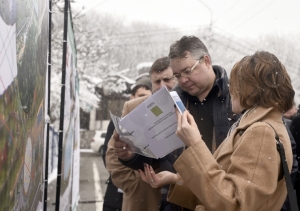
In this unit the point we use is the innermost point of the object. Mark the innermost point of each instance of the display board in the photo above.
(23, 66)
(69, 190)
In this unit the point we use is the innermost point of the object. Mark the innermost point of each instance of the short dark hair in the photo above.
(261, 79)
(160, 65)
(186, 44)
(134, 90)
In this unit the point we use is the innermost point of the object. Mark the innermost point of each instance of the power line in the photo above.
(154, 32)
(211, 13)
(95, 6)
(253, 15)
(235, 38)
(244, 13)
(228, 9)
(148, 33)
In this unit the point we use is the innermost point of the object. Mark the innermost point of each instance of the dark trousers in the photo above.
(112, 198)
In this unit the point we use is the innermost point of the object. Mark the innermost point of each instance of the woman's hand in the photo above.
(187, 129)
(157, 180)
(121, 149)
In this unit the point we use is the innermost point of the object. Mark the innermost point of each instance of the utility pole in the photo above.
(211, 14)
(210, 34)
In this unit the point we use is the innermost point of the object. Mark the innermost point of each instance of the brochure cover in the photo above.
(150, 128)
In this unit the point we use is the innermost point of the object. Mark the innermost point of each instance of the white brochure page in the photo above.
(134, 145)
(154, 123)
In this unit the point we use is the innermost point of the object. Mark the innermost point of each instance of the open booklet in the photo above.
(150, 128)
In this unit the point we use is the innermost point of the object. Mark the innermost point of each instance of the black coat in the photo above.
(295, 130)
(294, 172)
(112, 198)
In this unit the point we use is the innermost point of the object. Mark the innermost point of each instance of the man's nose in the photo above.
(162, 84)
(183, 79)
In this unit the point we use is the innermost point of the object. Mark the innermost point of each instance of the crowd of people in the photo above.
(230, 159)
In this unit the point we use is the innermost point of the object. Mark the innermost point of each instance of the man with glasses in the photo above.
(203, 88)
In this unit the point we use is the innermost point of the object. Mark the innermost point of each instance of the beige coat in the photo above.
(138, 195)
(243, 174)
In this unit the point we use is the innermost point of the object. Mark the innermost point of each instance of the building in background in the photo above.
(114, 91)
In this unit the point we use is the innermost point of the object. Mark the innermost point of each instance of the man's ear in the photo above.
(207, 60)
(131, 97)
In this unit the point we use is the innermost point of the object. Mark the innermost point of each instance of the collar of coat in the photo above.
(258, 114)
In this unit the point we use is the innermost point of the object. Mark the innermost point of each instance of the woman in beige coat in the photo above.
(244, 173)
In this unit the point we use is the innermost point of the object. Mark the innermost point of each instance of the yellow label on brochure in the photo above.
(156, 111)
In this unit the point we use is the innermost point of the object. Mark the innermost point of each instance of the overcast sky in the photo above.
(240, 18)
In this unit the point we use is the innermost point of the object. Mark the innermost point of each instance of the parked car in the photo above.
(98, 141)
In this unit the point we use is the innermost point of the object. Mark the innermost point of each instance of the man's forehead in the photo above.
(142, 90)
(178, 64)
(163, 74)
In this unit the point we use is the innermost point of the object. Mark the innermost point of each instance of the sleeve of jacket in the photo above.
(137, 162)
(247, 184)
(181, 195)
(123, 177)
(109, 132)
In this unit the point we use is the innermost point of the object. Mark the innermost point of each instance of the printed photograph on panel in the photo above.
(23, 64)
(69, 125)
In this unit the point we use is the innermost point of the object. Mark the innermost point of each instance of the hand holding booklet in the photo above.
(150, 128)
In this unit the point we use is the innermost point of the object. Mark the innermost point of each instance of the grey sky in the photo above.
(241, 18)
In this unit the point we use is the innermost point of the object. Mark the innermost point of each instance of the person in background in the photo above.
(295, 130)
(138, 195)
(161, 75)
(294, 172)
(203, 88)
(114, 196)
(245, 172)
(290, 114)
(287, 119)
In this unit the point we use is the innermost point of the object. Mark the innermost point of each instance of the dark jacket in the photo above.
(112, 198)
(295, 130)
(294, 172)
(223, 118)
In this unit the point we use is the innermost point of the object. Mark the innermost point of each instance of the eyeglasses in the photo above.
(186, 73)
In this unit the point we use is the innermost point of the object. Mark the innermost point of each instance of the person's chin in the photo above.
(188, 88)
(191, 92)
(191, 89)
